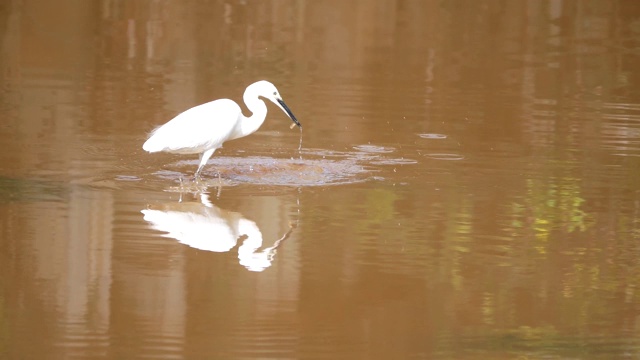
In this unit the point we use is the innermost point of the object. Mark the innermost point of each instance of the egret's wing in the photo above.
(195, 130)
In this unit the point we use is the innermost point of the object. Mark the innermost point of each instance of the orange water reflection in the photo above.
(468, 185)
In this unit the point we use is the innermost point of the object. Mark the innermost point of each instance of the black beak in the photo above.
(288, 111)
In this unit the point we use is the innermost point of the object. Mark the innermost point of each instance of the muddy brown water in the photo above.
(468, 185)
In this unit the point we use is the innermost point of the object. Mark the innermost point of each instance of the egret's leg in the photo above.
(204, 157)
(219, 191)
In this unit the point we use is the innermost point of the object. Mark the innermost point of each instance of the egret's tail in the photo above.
(153, 144)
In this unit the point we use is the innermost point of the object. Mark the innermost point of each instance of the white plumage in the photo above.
(204, 128)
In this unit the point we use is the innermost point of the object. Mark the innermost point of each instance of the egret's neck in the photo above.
(258, 113)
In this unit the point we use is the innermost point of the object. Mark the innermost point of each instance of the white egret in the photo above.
(204, 128)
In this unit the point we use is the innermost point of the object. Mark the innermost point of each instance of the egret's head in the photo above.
(268, 91)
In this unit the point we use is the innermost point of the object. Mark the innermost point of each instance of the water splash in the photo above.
(319, 167)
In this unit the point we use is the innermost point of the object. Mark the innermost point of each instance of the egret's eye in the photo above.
(275, 93)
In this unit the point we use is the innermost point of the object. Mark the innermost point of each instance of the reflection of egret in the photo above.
(259, 260)
(203, 128)
(207, 227)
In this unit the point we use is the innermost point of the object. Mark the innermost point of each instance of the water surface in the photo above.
(468, 185)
